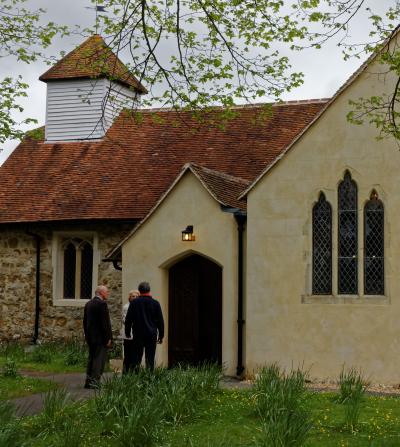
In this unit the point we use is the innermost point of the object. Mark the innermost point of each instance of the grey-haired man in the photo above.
(98, 335)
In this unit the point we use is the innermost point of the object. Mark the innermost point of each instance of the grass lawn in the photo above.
(186, 408)
(23, 386)
(57, 357)
(229, 420)
(55, 365)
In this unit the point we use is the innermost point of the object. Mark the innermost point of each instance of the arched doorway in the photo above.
(195, 312)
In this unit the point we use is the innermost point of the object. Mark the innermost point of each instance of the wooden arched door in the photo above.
(195, 312)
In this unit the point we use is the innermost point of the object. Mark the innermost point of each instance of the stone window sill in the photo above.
(70, 303)
(346, 299)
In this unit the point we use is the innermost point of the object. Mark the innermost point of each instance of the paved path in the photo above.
(33, 404)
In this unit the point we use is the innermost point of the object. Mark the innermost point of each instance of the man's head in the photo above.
(144, 287)
(102, 292)
(133, 294)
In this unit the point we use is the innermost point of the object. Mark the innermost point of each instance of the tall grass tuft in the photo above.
(55, 403)
(10, 430)
(10, 368)
(74, 352)
(71, 432)
(182, 387)
(12, 349)
(43, 353)
(134, 408)
(352, 389)
(7, 412)
(129, 412)
(351, 381)
(281, 402)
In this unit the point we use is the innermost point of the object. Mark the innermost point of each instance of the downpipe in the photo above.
(37, 240)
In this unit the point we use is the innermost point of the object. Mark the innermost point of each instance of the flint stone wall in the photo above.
(18, 278)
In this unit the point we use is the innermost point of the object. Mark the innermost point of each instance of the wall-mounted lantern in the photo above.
(187, 234)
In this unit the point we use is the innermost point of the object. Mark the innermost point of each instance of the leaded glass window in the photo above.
(322, 247)
(77, 268)
(374, 246)
(348, 236)
(86, 271)
(69, 270)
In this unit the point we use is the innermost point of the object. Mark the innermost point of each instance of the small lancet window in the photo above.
(322, 247)
(347, 236)
(374, 246)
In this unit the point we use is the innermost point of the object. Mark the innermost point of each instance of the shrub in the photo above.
(281, 403)
(10, 368)
(352, 388)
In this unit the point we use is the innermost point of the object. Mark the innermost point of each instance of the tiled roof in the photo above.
(92, 59)
(124, 175)
(225, 188)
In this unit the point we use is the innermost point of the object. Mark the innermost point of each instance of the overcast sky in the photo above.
(324, 70)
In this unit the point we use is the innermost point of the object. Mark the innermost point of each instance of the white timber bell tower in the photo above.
(86, 91)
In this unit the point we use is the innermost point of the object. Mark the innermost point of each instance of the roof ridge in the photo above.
(238, 106)
(219, 173)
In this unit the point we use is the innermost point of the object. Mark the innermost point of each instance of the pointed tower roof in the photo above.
(92, 59)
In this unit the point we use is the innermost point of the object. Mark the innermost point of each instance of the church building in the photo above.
(273, 238)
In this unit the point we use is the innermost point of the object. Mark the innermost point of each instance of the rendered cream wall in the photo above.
(286, 324)
(157, 245)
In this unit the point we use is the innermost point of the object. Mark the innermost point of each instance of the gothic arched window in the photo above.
(374, 246)
(322, 247)
(77, 268)
(348, 236)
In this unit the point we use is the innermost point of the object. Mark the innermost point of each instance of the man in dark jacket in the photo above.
(98, 335)
(145, 322)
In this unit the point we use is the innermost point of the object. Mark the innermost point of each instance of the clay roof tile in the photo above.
(92, 59)
(124, 175)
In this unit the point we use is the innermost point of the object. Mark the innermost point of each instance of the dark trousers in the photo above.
(149, 348)
(95, 366)
(128, 355)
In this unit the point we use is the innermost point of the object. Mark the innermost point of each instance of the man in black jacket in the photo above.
(98, 335)
(145, 322)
